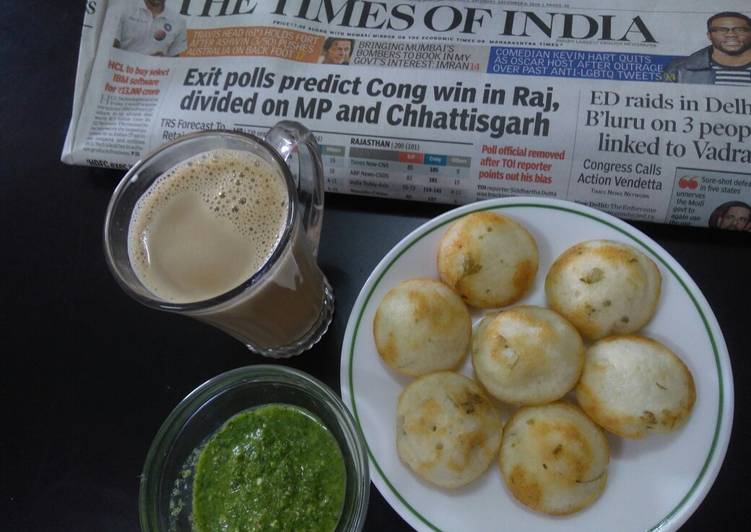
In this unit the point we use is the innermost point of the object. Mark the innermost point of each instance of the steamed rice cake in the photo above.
(633, 385)
(489, 259)
(554, 459)
(604, 287)
(527, 355)
(422, 326)
(448, 431)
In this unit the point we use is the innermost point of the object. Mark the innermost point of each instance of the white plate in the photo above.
(654, 483)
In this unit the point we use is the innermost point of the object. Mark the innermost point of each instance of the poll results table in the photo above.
(414, 175)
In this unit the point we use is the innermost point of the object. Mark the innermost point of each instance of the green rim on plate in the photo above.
(419, 236)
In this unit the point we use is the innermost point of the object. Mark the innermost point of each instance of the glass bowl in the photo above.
(165, 498)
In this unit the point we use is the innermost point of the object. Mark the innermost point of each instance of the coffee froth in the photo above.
(207, 225)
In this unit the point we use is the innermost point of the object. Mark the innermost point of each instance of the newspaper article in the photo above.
(642, 111)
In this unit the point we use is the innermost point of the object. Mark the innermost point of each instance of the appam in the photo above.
(489, 259)
(422, 326)
(604, 287)
(632, 385)
(448, 431)
(554, 459)
(527, 355)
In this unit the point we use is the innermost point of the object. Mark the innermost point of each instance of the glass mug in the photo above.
(284, 307)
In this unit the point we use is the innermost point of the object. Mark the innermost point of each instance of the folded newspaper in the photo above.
(640, 109)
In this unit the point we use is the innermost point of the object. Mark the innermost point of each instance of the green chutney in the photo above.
(275, 467)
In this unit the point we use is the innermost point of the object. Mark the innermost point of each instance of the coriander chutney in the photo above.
(275, 467)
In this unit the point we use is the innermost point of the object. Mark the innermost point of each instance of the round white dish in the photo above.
(653, 484)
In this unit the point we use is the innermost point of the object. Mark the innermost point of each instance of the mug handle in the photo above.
(290, 138)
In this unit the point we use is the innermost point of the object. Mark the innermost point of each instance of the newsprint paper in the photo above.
(640, 108)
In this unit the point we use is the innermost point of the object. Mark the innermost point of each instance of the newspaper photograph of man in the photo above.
(149, 27)
(727, 61)
(337, 51)
(733, 215)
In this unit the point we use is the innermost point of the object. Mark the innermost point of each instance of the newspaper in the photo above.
(642, 110)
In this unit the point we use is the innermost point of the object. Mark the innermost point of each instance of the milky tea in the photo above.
(206, 226)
